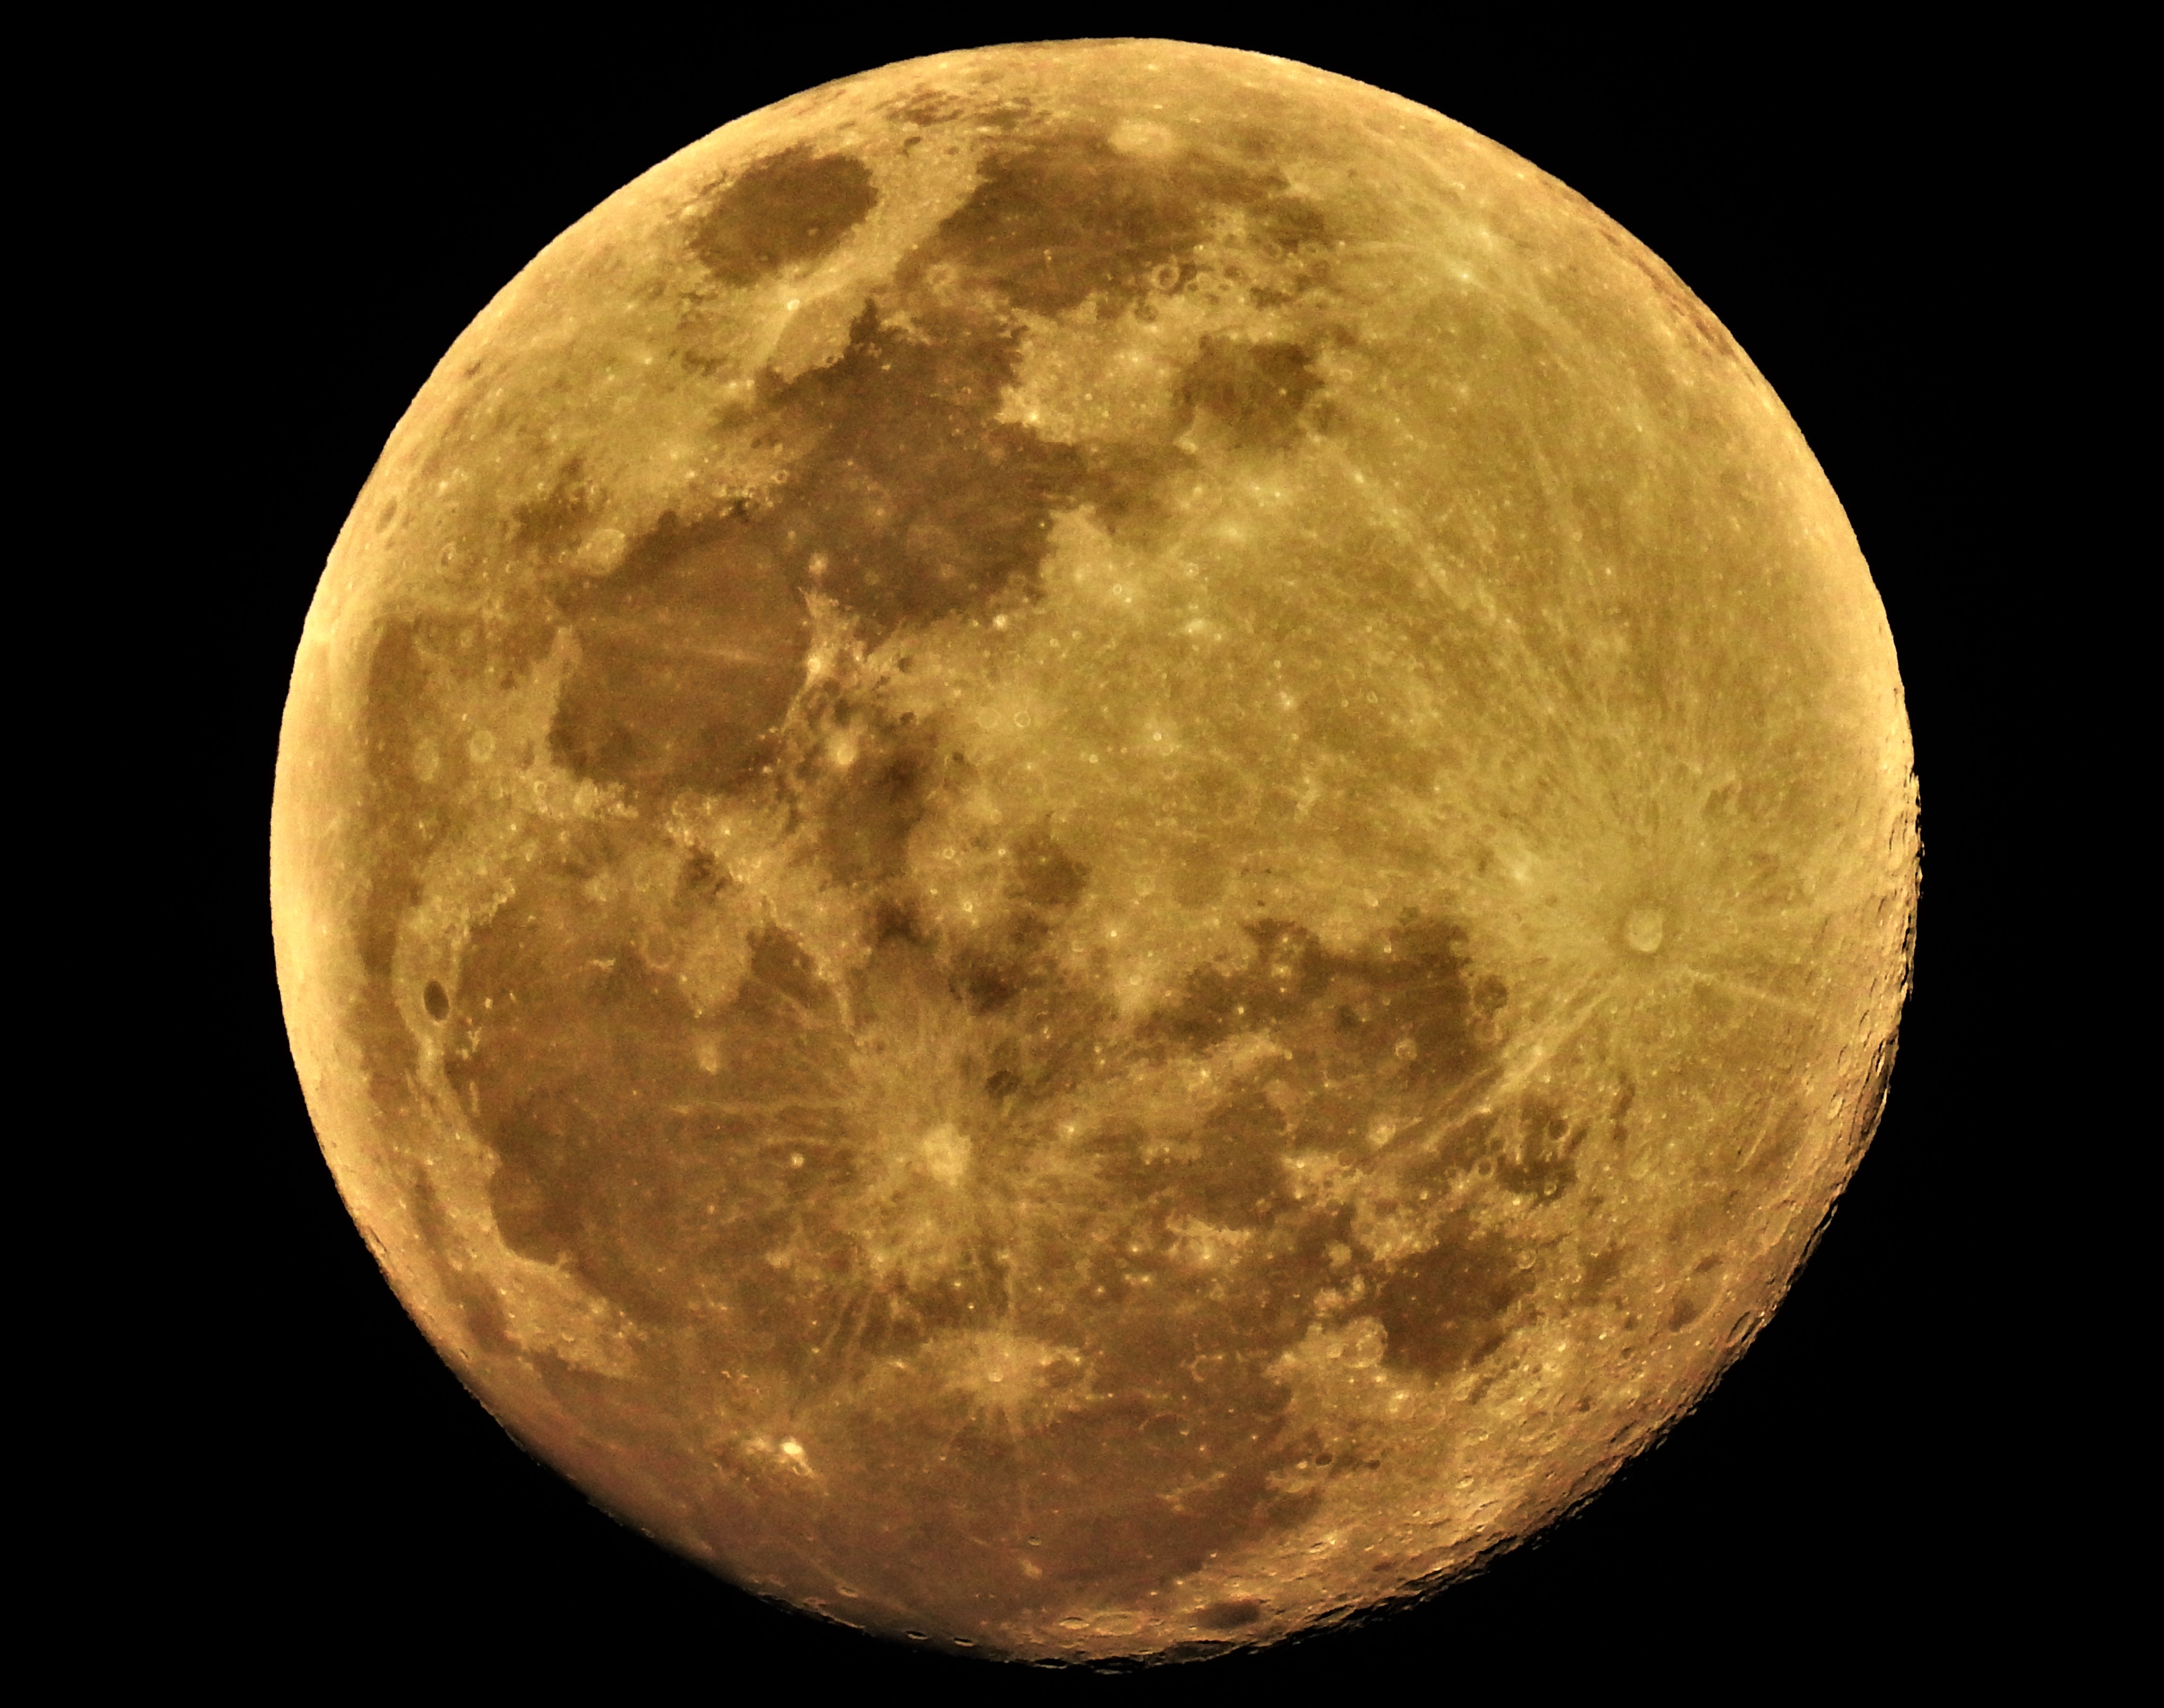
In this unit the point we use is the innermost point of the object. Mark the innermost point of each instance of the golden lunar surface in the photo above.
(1093, 848)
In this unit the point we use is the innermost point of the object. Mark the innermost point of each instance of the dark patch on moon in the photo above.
(559, 520)
(1229, 1616)
(1227, 1169)
(865, 812)
(909, 499)
(1062, 216)
(1046, 874)
(1252, 392)
(619, 1153)
(1444, 1308)
(1402, 1015)
(789, 210)
(1157, 1453)
(690, 655)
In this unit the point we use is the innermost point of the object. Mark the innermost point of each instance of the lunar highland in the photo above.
(1094, 849)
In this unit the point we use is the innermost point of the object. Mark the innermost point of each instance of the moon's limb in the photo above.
(1095, 848)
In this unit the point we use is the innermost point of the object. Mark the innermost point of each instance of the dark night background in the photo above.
(1817, 1520)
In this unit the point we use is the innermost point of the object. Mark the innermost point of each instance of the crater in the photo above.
(944, 1152)
(1645, 929)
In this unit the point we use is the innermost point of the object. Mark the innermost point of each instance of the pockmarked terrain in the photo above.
(1093, 848)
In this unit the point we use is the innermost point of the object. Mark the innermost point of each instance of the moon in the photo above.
(1092, 850)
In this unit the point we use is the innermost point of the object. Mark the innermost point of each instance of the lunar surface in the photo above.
(1091, 850)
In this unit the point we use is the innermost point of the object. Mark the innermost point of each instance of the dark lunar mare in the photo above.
(1164, 1436)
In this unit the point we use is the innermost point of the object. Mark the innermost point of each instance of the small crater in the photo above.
(943, 1153)
(1646, 929)
(437, 1001)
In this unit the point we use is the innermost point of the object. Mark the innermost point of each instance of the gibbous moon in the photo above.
(1093, 849)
